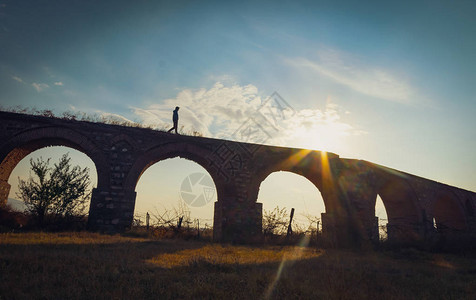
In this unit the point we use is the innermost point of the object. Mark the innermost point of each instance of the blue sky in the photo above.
(392, 83)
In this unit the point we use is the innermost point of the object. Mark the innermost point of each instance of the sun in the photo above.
(328, 137)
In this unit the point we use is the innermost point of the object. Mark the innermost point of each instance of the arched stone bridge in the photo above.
(349, 187)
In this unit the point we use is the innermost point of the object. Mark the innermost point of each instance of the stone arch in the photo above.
(263, 174)
(400, 201)
(312, 207)
(402, 207)
(24, 143)
(188, 151)
(123, 139)
(306, 163)
(469, 208)
(356, 181)
(448, 213)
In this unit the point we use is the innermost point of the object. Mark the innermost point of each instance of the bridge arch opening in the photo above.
(26, 142)
(198, 155)
(285, 189)
(22, 168)
(401, 206)
(381, 214)
(448, 214)
(176, 187)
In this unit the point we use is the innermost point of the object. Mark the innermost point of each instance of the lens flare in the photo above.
(287, 260)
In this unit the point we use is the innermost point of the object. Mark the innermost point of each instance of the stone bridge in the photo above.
(417, 208)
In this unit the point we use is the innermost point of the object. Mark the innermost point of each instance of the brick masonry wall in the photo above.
(121, 154)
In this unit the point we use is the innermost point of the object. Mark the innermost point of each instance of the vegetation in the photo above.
(275, 221)
(175, 223)
(95, 118)
(75, 116)
(275, 227)
(11, 220)
(60, 192)
(90, 265)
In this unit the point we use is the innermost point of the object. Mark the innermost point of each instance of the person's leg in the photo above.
(176, 126)
(171, 129)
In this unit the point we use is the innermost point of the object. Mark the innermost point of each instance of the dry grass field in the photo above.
(94, 266)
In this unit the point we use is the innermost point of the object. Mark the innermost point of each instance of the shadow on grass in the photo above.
(133, 268)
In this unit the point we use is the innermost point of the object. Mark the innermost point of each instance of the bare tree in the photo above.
(275, 221)
(313, 221)
(170, 218)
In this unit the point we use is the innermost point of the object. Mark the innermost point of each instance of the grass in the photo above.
(93, 118)
(94, 266)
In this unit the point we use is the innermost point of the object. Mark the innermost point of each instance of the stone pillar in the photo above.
(238, 222)
(329, 234)
(217, 222)
(339, 227)
(111, 211)
(357, 194)
(334, 230)
(404, 233)
(367, 225)
(337, 231)
(4, 191)
(374, 232)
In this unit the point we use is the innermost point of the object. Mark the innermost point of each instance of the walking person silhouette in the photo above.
(175, 119)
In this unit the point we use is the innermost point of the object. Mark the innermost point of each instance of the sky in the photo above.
(388, 82)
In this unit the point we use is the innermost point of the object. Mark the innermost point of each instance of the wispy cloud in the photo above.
(40, 86)
(221, 110)
(351, 72)
(113, 117)
(16, 78)
(208, 111)
(58, 83)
